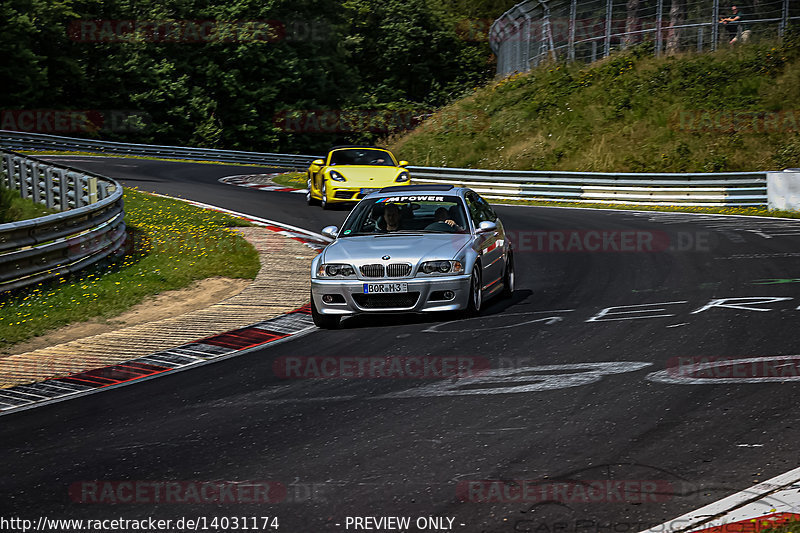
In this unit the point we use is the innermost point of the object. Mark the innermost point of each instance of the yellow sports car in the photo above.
(351, 172)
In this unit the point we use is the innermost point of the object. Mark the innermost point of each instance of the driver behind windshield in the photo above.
(443, 221)
(391, 218)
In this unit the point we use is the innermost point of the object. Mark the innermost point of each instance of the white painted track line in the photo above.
(780, 494)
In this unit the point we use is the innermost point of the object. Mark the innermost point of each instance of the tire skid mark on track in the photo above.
(250, 183)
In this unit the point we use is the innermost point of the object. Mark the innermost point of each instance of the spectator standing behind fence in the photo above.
(732, 25)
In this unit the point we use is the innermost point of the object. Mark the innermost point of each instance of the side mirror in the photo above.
(402, 164)
(330, 231)
(486, 226)
(318, 162)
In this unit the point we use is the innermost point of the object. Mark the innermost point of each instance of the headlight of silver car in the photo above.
(335, 176)
(402, 177)
(334, 270)
(441, 267)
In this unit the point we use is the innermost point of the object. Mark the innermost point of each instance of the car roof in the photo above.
(357, 146)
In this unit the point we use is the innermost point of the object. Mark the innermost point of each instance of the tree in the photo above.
(632, 23)
(677, 17)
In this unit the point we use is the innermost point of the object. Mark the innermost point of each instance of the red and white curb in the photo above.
(247, 181)
(766, 505)
(200, 352)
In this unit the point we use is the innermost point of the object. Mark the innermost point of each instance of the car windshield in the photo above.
(407, 214)
(362, 157)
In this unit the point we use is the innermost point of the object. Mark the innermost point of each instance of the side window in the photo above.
(487, 210)
(475, 211)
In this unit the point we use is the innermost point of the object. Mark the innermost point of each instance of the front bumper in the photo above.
(344, 194)
(355, 301)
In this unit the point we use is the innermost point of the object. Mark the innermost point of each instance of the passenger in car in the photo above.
(443, 221)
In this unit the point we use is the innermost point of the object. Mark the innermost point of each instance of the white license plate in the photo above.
(374, 288)
(367, 191)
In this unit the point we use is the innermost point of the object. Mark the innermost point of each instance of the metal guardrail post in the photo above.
(23, 179)
(77, 186)
(8, 169)
(63, 189)
(12, 174)
(36, 189)
(48, 188)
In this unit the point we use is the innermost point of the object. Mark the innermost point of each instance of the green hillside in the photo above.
(733, 110)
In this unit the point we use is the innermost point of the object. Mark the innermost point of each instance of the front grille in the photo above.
(343, 195)
(402, 300)
(372, 271)
(398, 270)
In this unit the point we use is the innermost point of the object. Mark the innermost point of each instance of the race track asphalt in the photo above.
(584, 424)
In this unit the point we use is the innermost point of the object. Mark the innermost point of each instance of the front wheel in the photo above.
(475, 293)
(508, 277)
(323, 321)
(310, 200)
(324, 202)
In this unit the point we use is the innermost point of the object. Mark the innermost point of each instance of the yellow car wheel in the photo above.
(324, 202)
(310, 200)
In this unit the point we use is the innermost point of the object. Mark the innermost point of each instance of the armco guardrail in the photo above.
(15, 140)
(89, 227)
(700, 189)
(723, 189)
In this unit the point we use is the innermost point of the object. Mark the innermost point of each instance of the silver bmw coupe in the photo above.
(412, 249)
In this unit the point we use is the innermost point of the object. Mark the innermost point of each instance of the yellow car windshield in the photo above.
(362, 157)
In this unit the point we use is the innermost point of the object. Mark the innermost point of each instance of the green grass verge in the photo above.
(731, 110)
(170, 245)
(14, 208)
(297, 180)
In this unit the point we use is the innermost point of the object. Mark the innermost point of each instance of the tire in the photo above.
(508, 277)
(310, 200)
(323, 321)
(324, 202)
(475, 294)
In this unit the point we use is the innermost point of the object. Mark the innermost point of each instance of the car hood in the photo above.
(400, 247)
(367, 176)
